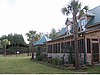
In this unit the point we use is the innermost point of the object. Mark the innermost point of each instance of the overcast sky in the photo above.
(20, 16)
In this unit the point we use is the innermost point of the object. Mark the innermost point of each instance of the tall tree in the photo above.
(5, 42)
(53, 34)
(74, 7)
(30, 37)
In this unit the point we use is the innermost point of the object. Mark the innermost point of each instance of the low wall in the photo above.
(60, 55)
(88, 58)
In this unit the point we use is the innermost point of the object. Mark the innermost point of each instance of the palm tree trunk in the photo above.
(33, 53)
(5, 51)
(77, 62)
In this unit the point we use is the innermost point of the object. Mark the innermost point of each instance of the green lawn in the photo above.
(94, 70)
(24, 65)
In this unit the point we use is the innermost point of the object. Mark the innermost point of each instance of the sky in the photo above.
(21, 16)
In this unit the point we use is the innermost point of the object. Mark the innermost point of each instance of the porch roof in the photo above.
(43, 40)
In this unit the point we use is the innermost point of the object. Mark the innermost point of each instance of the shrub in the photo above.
(41, 57)
(38, 51)
(49, 60)
(71, 59)
(56, 61)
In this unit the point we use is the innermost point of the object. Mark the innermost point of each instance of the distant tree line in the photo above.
(17, 44)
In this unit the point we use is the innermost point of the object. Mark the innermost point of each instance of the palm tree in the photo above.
(53, 34)
(5, 42)
(32, 37)
(74, 7)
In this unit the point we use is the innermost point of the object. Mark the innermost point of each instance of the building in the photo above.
(40, 45)
(88, 38)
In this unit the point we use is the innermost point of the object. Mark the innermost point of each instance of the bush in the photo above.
(41, 57)
(56, 61)
(38, 51)
(49, 60)
(71, 59)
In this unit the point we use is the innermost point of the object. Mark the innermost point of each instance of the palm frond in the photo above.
(79, 5)
(76, 6)
(65, 11)
(81, 12)
(69, 7)
(86, 8)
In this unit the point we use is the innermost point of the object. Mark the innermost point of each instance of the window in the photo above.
(72, 44)
(69, 27)
(82, 24)
(54, 48)
(94, 39)
(81, 45)
(58, 48)
(66, 45)
(88, 46)
(62, 47)
(49, 48)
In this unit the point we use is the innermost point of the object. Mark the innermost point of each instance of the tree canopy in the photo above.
(5, 42)
(53, 34)
(17, 43)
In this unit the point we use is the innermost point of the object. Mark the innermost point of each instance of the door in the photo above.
(95, 52)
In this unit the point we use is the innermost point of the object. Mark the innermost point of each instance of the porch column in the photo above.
(85, 50)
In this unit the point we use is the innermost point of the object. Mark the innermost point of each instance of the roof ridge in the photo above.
(94, 8)
(42, 40)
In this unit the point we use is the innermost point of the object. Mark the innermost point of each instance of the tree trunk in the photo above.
(28, 52)
(77, 61)
(33, 53)
(5, 51)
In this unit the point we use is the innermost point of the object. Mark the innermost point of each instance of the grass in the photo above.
(94, 70)
(23, 65)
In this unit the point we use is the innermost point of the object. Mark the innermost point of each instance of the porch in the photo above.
(88, 46)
